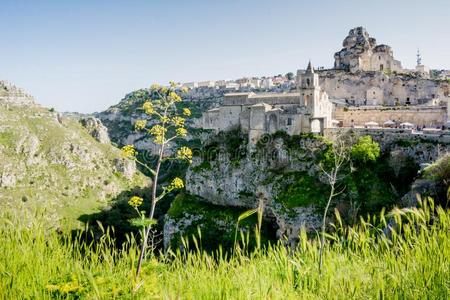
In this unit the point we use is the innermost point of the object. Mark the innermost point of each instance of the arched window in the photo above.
(308, 82)
(307, 100)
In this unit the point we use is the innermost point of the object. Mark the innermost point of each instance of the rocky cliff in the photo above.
(52, 162)
(284, 172)
(119, 119)
(229, 176)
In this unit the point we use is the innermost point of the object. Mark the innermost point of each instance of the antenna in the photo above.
(419, 58)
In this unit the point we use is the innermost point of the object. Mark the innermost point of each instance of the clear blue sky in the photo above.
(86, 55)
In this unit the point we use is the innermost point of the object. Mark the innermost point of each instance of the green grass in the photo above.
(217, 223)
(361, 262)
(66, 170)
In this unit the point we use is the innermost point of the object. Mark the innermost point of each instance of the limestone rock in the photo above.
(361, 53)
(7, 180)
(56, 166)
(95, 128)
(222, 182)
(12, 95)
(125, 166)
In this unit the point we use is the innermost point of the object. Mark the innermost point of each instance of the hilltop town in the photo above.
(359, 52)
(367, 87)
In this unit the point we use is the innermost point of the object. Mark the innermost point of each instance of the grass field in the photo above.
(409, 261)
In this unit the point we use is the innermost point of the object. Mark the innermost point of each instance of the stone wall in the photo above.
(422, 116)
(423, 148)
(378, 88)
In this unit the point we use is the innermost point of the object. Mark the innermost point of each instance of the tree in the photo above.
(163, 123)
(290, 76)
(337, 158)
(365, 150)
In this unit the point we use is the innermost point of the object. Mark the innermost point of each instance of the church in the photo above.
(308, 109)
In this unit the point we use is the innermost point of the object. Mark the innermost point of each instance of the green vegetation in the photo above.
(439, 173)
(232, 143)
(163, 122)
(411, 262)
(369, 184)
(57, 165)
(217, 223)
(292, 142)
(365, 150)
(301, 190)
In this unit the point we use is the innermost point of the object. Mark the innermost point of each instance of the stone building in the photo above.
(306, 110)
(361, 53)
(366, 84)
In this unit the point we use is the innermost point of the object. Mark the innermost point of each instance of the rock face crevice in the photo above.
(229, 182)
(271, 170)
(96, 129)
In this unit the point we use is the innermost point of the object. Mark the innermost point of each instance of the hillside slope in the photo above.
(52, 162)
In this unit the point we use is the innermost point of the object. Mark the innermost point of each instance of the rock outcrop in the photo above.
(95, 128)
(12, 95)
(230, 181)
(58, 165)
(361, 53)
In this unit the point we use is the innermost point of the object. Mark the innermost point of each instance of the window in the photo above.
(308, 82)
(381, 67)
(289, 121)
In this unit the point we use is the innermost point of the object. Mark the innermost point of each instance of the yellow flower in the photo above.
(128, 151)
(184, 153)
(158, 130)
(140, 124)
(181, 131)
(154, 87)
(187, 112)
(70, 287)
(174, 96)
(172, 84)
(177, 183)
(163, 90)
(165, 119)
(184, 89)
(135, 201)
(52, 287)
(148, 108)
(178, 121)
(159, 139)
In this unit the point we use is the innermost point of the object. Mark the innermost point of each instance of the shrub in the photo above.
(365, 150)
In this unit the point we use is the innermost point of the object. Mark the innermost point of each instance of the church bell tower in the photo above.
(308, 85)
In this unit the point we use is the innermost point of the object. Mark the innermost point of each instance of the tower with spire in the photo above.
(421, 69)
(419, 58)
(308, 86)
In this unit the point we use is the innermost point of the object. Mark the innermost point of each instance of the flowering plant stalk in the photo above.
(164, 123)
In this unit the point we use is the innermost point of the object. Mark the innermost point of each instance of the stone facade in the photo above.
(306, 110)
(428, 116)
(366, 84)
(379, 88)
(361, 53)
